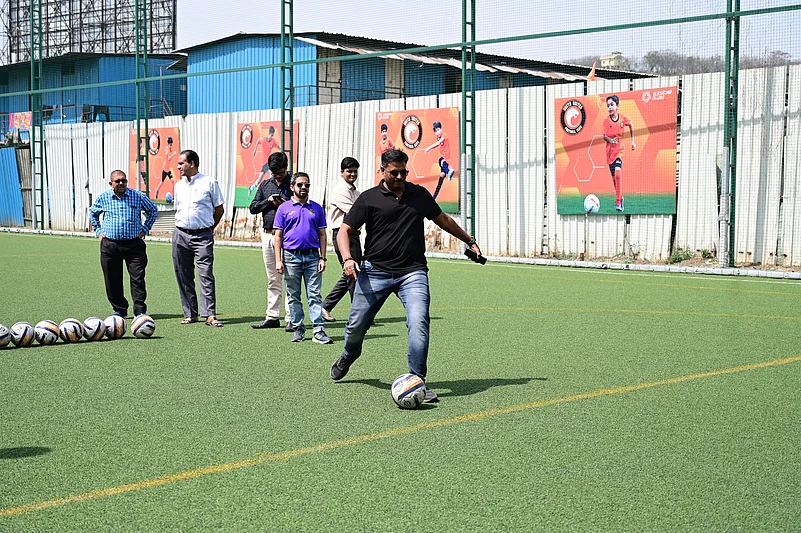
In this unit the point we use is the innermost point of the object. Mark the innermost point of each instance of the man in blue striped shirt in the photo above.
(122, 235)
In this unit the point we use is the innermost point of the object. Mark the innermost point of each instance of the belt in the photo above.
(193, 231)
(307, 251)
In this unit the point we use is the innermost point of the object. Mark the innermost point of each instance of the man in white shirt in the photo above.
(198, 210)
(342, 198)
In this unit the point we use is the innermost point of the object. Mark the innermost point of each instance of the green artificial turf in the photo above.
(718, 451)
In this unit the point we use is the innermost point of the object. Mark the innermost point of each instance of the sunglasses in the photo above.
(120, 181)
(302, 185)
(394, 173)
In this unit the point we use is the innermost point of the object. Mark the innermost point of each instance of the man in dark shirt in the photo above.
(272, 193)
(394, 261)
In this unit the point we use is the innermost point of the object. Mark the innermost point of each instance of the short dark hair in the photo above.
(191, 157)
(277, 161)
(297, 175)
(271, 129)
(349, 162)
(169, 140)
(437, 125)
(614, 98)
(384, 127)
(394, 156)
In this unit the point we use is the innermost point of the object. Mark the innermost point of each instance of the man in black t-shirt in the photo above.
(394, 261)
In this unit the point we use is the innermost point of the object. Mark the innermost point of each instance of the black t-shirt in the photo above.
(261, 203)
(395, 229)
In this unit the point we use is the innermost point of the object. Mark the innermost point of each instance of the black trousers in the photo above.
(344, 284)
(134, 253)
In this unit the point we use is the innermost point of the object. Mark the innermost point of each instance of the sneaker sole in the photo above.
(329, 341)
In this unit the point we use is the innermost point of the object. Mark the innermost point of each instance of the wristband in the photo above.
(471, 242)
(348, 259)
(323, 259)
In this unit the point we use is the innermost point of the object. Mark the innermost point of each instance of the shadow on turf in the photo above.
(23, 451)
(459, 387)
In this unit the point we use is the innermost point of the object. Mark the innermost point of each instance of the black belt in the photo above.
(193, 231)
(308, 251)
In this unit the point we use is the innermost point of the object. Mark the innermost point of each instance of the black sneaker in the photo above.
(340, 368)
(288, 328)
(269, 323)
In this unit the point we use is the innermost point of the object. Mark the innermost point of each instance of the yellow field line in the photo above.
(368, 437)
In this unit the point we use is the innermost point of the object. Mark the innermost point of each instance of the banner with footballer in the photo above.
(431, 139)
(163, 148)
(616, 153)
(255, 141)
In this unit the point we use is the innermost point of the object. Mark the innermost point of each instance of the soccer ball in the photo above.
(591, 204)
(143, 327)
(168, 197)
(115, 327)
(22, 334)
(94, 328)
(5, 336)
(46, 332)
(71, 330)
(408, 391)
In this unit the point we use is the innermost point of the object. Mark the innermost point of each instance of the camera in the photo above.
(475, 257)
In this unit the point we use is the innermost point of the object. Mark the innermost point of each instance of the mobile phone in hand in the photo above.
(473, 256)
(277, 198)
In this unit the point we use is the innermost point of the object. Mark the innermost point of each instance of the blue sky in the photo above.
(438, 22)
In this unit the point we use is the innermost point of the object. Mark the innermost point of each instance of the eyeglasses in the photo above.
(120, 181)
(302, 185)
(394, 173)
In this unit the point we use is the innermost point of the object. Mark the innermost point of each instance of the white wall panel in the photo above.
(80, 165)
(700, 160)
(364, 143)
(323, 142)
(526, 170)
(492, 183)
(59, 176)
(340, 144)
(790, 241)
(422, 102)
(760, 145)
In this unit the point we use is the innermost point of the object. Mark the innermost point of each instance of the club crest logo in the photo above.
(154, 142)
(246, 136)
(573, 117)
(646, 96)
(411, 133)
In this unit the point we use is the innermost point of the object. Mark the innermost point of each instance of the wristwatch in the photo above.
(471, 242)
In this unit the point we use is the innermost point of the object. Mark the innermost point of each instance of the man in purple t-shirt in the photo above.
(300, 247)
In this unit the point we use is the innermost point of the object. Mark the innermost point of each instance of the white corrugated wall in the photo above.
(515, 175)
(760, 146)
(790, 244)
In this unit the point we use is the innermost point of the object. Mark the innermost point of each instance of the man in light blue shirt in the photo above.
(122, 233)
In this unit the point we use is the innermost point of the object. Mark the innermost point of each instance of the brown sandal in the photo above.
(189, 320)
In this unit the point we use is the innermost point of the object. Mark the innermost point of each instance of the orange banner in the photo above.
(255, 142)
(163, 148)
(431, 139)
(596, 154)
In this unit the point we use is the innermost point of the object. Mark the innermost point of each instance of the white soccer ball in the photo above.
(591, 204)
(46, 332)
(115, 327)
(5, 336)
(408, 391)
(70, 330)
(94, 328)
(143, 326)
(22, 334)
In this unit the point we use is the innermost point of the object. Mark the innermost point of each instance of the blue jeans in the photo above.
(373, 287)
(297, 268)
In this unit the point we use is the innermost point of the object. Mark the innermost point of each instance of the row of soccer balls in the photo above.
(47, 332)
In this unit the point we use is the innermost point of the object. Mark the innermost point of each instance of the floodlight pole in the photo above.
(287, 77)
(38, 164)
(142, 97)
(728, 185)
(467, 131)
